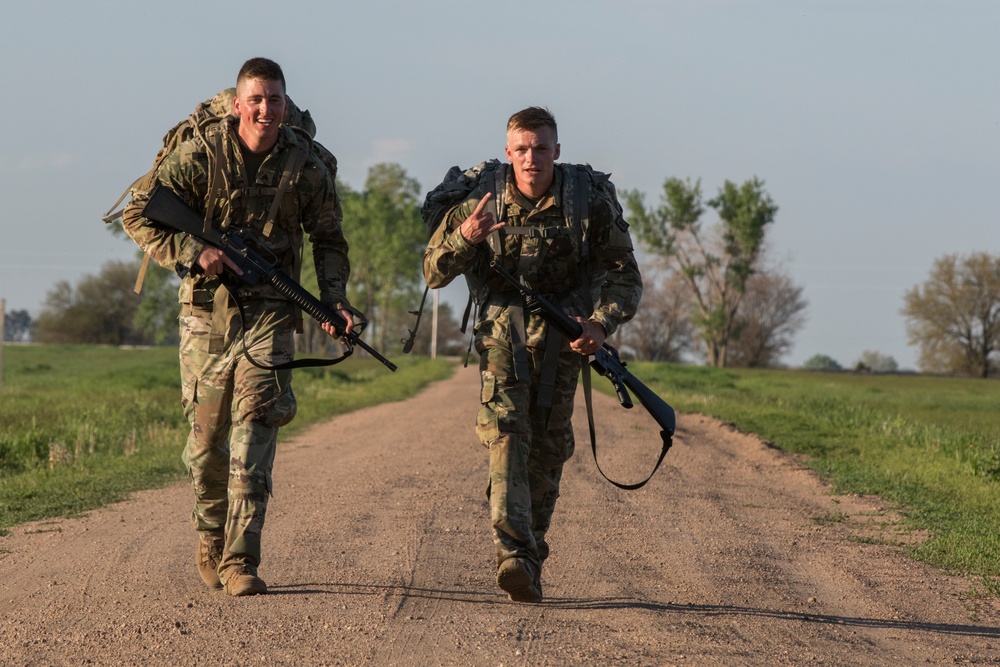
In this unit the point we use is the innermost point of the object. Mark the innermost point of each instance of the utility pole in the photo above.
(3, 315)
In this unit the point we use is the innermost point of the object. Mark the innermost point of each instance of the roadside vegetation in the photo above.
(84, 425)
(928, 445)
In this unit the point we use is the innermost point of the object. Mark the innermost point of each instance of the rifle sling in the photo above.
(593, 436)
(296, 363)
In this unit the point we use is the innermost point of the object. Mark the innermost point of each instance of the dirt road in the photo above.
(377, 553)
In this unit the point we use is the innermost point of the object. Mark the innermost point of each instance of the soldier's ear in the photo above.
(555, 156)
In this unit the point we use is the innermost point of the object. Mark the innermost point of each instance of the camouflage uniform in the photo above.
(528, 440)
(235, 408)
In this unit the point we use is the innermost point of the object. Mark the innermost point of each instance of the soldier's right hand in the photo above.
(480, 224)
(213, 262)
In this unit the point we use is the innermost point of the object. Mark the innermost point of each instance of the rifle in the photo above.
(164, 207)
(606, 362)
(408, 341)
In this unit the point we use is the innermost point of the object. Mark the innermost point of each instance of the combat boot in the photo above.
(241, 579)
(210, 546)
(521, 578)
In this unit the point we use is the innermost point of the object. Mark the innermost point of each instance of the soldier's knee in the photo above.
(273, 413)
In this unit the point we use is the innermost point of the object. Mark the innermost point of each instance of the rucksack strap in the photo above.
(550, 368)
(140, 277)
(518, 338)
(581, 212)
(215, 178)
(538, 232)
(293, 166)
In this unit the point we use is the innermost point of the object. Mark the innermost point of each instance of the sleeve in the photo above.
(183, 171)
(612, 255)
(448, 254)
(322, 219)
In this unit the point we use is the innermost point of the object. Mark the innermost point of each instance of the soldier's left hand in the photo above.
(591, 339)
(348, 318)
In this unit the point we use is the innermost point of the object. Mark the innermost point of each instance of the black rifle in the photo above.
(166, 208)
(408, 341)
(606, 362)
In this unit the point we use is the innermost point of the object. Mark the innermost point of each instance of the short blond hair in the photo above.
(531, 119)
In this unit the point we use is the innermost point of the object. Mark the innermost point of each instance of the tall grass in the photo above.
(929, 444)
(82, 426)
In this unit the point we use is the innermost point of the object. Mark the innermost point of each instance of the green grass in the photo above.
(930, 445)
(83, 426)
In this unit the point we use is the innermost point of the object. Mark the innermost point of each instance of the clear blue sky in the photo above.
(874, 124)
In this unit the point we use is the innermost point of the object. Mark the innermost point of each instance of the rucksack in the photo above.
(205, 115)
(489, 176)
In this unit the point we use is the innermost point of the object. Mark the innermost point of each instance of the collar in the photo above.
(516, 202)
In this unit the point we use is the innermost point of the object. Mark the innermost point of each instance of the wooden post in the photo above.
(3, 315)
(434, 326)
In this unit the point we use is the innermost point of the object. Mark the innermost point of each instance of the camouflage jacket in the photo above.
(549, 261)
(310, 205)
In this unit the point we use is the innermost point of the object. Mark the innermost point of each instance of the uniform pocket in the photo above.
(487, 427)
(489, 388)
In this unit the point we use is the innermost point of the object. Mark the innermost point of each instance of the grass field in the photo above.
(83, 426)
(931, 445)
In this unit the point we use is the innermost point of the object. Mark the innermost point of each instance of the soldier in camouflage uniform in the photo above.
(529, 371)
(248, 171)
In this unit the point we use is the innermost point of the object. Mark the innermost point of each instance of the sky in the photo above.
(874, 124)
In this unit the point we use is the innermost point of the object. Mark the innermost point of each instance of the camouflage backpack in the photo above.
(205, 115)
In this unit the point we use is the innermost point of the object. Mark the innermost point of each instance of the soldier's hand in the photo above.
(480, 224)
(213, 262)
(348, 318)
(591, 338)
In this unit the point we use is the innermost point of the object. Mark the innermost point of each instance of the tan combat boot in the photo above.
(521, 578)
(210, 546)
(242, 579)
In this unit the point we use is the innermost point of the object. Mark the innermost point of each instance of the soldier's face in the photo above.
(260, 106)
(532, 154)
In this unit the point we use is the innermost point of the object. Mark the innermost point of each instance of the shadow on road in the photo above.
(491, 598)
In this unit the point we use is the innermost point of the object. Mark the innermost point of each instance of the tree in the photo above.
(17, 326)
(876, 362)
(772, 312)
(99, 310)
(716, 264)
(821, 362)
(387, 239)
(156, 315)
(954, 317)
(662, 329)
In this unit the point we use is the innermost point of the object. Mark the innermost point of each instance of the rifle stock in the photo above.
(164, 207)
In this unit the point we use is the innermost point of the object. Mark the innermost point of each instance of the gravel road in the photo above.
(377, 552)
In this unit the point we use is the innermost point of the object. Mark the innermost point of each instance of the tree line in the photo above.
(711, 293)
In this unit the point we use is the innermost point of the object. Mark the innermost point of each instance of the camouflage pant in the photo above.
(235, 409)
(528, 446)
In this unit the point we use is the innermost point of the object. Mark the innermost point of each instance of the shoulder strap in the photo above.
(293, 165)
(214, 148)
